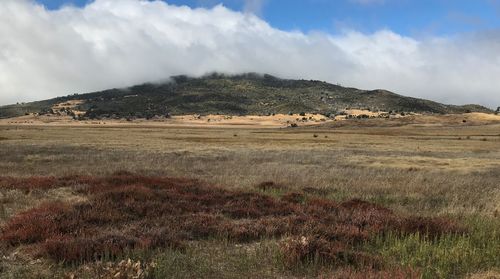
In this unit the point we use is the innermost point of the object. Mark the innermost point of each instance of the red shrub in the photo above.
(304, 250)
(30, 183)
(72, 249)
(251, 205)
(432, 227)
(34, 225)
(126, 211)
(360, 205)
(322, 206)
(293, 198)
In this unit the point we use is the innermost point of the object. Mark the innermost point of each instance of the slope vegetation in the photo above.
(247, 94)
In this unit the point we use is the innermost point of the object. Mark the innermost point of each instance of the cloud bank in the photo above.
(117, 43)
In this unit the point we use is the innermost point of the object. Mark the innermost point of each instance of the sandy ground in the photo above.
(71, 104)
(271, 121)
(356, 112)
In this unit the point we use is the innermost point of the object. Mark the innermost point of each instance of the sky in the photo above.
(406, 17)
(444, 50)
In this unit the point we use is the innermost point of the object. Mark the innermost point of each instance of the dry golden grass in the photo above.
(423, 169)
(413, 169)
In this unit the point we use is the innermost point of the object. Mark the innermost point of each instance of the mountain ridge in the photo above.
(244, 94)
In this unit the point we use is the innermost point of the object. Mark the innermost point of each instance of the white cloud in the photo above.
(117, 43)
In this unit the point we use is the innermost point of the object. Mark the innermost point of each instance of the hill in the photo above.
(246, 94)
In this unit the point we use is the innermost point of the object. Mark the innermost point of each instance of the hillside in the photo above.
(247, 94)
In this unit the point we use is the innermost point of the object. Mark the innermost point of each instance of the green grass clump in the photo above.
(216, 259)
(449, 256)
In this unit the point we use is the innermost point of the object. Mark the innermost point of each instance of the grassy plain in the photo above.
(450, 171)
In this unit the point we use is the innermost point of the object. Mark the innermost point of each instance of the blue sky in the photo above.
(413, 18)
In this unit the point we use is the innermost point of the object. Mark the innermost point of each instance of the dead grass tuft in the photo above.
(124, 269)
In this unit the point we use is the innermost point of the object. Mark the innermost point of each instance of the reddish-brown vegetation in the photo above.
(293, 197)
(125, 212)
(297, 250)
(29, 183)
(42, 183)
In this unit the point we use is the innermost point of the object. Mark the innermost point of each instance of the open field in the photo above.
(220, 121)
(449, 173)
